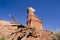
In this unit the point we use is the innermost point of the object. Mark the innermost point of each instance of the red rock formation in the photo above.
(32, 35)
(6, 28)
(34, 21)
(34, 29)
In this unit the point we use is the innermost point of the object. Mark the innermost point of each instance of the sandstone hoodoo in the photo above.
(33, 20)
(32, 31)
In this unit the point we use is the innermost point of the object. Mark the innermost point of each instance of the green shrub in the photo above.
(3, 38)
(58, 35)
(55, 36)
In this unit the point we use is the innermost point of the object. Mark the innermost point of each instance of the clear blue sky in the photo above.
(47, 10)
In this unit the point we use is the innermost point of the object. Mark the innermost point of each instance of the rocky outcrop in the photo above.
(32, 34)
(20, 32)
(32, 31)
(6, 27)
(33, 20)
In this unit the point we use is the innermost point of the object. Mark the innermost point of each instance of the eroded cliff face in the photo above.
(33, 20)
(20, 32)
(6, 28)
(31, 34)
(24, 33)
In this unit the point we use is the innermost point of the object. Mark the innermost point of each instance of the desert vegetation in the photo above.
(55, 36)
(3, 38)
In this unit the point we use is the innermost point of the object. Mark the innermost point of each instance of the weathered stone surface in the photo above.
(33, 20)
(42, 36)
(6, 28)
(17, 33)
(33, 34)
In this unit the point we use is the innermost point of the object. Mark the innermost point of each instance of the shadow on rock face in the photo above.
(21, 26)
(19, 38)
